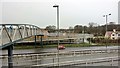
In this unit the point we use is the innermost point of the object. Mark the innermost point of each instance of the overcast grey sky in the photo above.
(72, 12)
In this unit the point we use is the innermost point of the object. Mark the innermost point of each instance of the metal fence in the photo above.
(66, 58)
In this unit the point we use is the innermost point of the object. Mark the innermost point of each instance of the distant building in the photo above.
(113, 34)
(78, 38)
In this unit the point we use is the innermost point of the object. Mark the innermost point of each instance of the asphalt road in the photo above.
(55, 49)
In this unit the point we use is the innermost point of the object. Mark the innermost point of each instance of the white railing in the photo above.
(77, 52)
(81, 62)
(27, 59)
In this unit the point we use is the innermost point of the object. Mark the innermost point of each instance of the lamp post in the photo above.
(106, 20)
(57, 6)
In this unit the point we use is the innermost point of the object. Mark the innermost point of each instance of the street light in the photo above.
(106, 19)
(57, 6)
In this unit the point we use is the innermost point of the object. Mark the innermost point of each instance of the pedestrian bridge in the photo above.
(11, 33)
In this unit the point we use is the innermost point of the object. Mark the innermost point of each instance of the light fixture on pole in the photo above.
(57, 6)
(106, 20)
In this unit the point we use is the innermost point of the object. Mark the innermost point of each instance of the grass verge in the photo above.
(55, 45)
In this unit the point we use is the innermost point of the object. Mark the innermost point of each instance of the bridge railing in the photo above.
(86, 62)
(51, 58)
(14, 32)
(55, 54)
(53, 61)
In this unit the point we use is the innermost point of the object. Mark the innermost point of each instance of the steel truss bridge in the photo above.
(12, 33)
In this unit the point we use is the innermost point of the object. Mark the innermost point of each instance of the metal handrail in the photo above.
(66, 52)
(81, 61)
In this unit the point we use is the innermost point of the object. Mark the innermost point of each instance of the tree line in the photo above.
(96, 30)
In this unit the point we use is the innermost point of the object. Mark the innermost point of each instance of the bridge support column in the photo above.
(35, 41)
(41, 41)
(10, 55)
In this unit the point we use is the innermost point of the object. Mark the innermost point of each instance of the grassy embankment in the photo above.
(55, 45)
